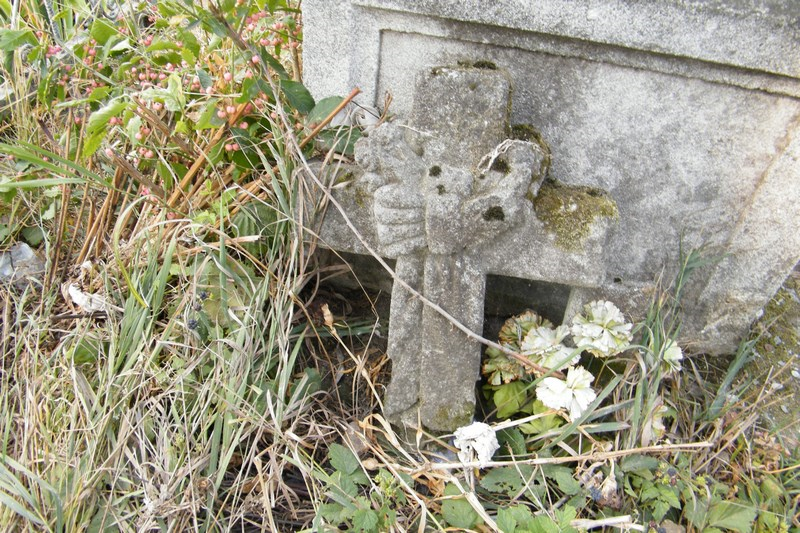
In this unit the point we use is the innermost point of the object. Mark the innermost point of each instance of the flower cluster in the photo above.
(601, 330)
(575, 393)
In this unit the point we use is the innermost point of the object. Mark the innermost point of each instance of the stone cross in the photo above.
(437, 194)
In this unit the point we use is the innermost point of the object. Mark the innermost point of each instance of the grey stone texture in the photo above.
(452, 199)
(686, 112)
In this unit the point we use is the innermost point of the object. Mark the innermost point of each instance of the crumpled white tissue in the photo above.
(477, 439)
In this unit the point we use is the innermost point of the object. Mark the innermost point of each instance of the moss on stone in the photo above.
(777, 342)
(526, 132)
(435, 171)
(500, 165)
(481, 63)
(570, 211)
(494, 213)
(451, 417)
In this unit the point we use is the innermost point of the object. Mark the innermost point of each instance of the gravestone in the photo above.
(687, 112)
(452, 198)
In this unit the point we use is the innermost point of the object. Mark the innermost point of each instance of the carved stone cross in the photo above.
(440, 194)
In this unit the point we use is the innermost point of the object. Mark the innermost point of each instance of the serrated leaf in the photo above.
(731, 515)
(342, 459)
(458, 512)
(297, 95)
(509, 398)
(10, 40)
(514, 518)
(334, 513)
(507, 479)
(342, 489)
(252, 87)
(543, 524)
(563, 478)
(365, 520)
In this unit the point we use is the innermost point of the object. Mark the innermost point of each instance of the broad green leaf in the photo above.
(563, 477)
(342, 459)
(172, 96)
(511, 440)
(10, 40)
(507, 480)
(334, 513)
(514, 518)
(101, 31)
(510, 398)
(33, 235)
(732, 515)
(99, 119)
(91, 143)
(636, 463)
(458, 512)
(342, 139)
(543, 524)
(209, 119)
(365, 520)
(323, 108)
(298, 96)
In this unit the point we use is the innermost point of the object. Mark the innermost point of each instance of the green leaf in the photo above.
(10, 40)
(99, 119)
(563, 478)
(334, 513)
(33, 235)
(513, 440)
(637, 463)
(543, 524)
(731, 515)
(507, 479)
(342, 459)
(209, 119)
(514, 518)
(365, 520)
(101, 31)
(323, 108)
(342, 139)
(298, 96)
(172, 96)
(91, 143)
(458, 512)
(510, 398)
(252, 87)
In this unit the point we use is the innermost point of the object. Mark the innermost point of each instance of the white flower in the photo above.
(543, 346)
(476, 439)
(574, 394)
(603, 331)
(672, 358)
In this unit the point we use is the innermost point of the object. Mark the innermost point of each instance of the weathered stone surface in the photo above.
(686, 112)
(451, 201)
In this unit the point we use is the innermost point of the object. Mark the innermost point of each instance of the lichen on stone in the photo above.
(570, 211)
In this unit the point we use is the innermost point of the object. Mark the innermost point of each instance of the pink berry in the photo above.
(255, 60)
(243, 125)
(230, 109)
(109, 152)
(228, 147)
(227, 76)
(235, 146)
(139, 136)
(221, 114)
(149, 154)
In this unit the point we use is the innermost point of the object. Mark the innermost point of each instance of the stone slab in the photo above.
(685, 112)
